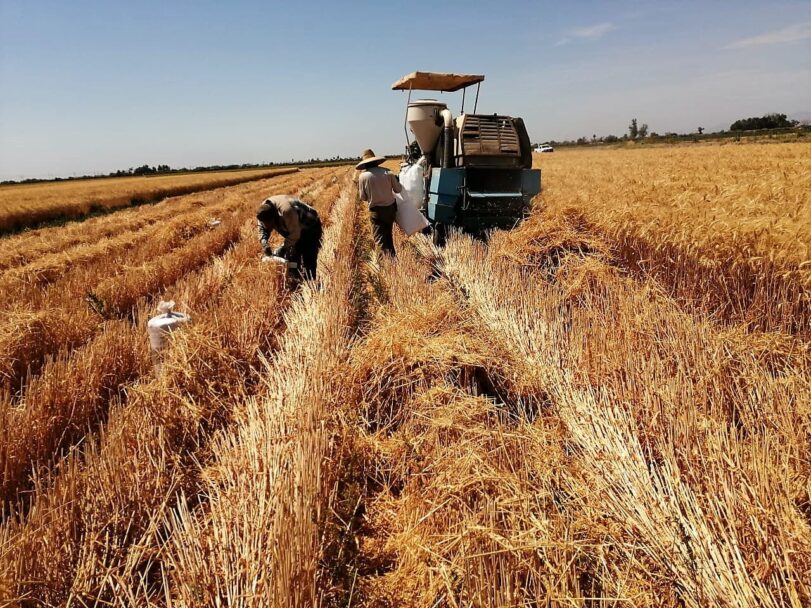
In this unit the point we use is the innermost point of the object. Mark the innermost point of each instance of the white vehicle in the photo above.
(541, 148)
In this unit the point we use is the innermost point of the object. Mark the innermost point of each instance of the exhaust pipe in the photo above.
(447, 147)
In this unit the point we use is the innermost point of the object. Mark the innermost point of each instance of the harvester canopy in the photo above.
(436, 81)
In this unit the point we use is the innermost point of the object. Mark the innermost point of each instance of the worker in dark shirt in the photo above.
(300, 226)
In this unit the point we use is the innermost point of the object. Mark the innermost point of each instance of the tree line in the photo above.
(638, 131)
(146, 169)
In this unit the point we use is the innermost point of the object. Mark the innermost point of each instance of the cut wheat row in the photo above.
(675, 441)
(28, 205)
(72, 393)
(154, 436)
(47, 417)
(127, 246)
(60, 319)
(267, 488)
(27, 338)
(24, 248)
(537, 442)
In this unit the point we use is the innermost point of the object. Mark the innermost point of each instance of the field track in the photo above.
(596, 408)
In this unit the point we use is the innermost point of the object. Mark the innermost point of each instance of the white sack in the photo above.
(408, 217)
(413, 182)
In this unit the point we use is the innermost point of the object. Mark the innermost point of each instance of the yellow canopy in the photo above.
(436, 81)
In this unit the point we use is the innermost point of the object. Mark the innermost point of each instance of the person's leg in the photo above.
(377, 225)
(388, 239)
(392, 215)
(382, 225)
(309, 254)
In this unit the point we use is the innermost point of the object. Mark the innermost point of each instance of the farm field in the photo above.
(725, 227)
(607, 406)
(23, 205)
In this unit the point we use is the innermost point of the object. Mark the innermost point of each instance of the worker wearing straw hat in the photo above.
(377, 187)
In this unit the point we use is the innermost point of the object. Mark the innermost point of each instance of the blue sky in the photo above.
(90, 87)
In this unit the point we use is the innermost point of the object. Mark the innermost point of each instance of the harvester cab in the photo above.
(478, 167)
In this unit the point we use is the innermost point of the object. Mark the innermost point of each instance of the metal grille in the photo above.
(489, 135)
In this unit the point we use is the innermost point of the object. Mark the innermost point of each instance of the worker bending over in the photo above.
(377, 186)
(300, 226)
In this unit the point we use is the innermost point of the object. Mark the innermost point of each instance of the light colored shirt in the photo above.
(377, 186)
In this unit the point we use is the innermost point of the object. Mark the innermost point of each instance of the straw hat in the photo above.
(368, 159)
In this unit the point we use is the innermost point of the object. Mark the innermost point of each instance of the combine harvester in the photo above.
(477, 167)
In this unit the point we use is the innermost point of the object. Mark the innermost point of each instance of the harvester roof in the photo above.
(436, 81)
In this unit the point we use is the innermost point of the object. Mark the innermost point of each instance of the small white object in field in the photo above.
(274, 259)
(214, 223)
(160, 326)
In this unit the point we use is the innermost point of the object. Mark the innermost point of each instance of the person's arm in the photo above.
(396, 186)
(264, 236)
(363, 191)
(292, 224)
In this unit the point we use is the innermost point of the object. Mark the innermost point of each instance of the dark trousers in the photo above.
(382, 224)
(308, 247)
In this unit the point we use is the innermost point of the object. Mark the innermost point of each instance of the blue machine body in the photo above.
(444, 194)
(479, 199)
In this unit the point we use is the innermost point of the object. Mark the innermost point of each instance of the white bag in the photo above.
(413, 183)
(408, 217)
(160, 326)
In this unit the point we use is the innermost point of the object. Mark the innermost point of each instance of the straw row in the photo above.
(29, 205)
(268, 483)
(667, 449)
(53, 415)
(147, 450)
(61, 318)
(563, 436)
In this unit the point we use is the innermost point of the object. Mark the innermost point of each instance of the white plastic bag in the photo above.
(408, 217)
(413, 182)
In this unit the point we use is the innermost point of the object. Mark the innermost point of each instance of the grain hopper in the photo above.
(479, 171)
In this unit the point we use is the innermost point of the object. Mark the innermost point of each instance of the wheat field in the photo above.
(609, 405)
(26, 205)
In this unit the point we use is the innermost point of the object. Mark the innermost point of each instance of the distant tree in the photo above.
(582, 141)
(611, 139)
(633, 129)
(701, 130)
(143, 170)
(643, 131)
(767, 121)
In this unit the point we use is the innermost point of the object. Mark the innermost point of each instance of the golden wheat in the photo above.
(726, 228)
(24, 205)
(551, 418)
(153, 436)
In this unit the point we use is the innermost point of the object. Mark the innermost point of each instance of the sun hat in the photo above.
(368, 159)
